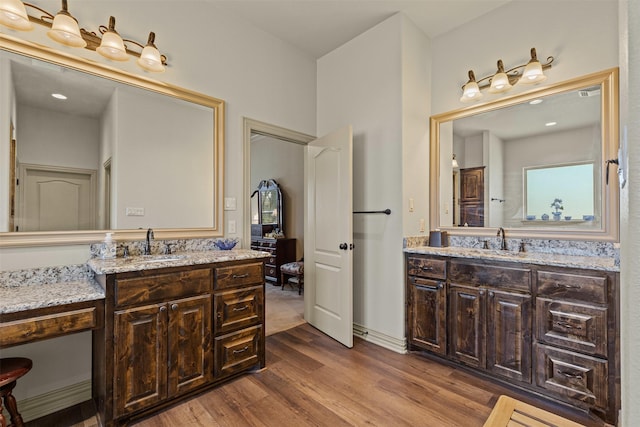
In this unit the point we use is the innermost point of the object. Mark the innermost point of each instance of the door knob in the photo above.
(343, 246)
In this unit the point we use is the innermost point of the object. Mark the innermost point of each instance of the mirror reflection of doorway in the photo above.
(277, 153)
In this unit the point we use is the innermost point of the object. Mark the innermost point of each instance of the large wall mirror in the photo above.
(122, 152)
(533, 163)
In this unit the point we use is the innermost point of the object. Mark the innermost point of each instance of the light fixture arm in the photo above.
(514, 74)
(93, 40)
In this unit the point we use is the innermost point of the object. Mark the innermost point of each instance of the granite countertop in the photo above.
(538, 258)
(30, 289)
(148, 262)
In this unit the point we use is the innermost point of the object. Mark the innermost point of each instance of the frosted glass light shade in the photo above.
(499, 83)
(150, 59)
(112, 47)
(532, 73)
(471, 92)
(65, 30)
(14, 15)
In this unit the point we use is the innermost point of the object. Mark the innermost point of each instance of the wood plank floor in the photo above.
(310, 380)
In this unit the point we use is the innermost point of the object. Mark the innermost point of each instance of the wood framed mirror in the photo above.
(507, 146)
(158, 163)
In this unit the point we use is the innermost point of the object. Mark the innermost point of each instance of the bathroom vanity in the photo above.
(173, 326)
(544, 323)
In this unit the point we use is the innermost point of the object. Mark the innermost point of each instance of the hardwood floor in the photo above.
(311, 380)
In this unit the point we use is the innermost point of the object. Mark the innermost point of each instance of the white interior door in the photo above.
(328, 249)
(56, 198)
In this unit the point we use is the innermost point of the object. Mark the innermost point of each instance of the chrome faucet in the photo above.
(147, 246)
(503, 241)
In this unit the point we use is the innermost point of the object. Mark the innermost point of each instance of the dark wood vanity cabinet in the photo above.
(171, 332)
(490, 318)
(426, 304)
(550, 330)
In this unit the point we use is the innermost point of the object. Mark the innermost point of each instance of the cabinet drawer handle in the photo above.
(163, 309)
(570, 375)
(240, 276)
(426, 268)
(243, 308)
(174, 307)
(565, 286)
(246, 347)
(567, 325)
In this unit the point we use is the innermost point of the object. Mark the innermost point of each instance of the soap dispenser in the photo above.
(108, 247)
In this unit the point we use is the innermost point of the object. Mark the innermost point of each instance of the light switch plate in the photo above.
(232, 226)
(229, 203)
(134, 212)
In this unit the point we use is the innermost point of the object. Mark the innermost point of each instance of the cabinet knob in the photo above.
(163, 309)
(174, 307)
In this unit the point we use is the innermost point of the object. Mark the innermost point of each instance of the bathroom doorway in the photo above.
(272, 152)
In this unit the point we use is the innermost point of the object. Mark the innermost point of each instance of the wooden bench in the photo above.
(512, 412)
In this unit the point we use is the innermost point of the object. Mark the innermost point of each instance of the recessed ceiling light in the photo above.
(535, 102)
(551, 124)
(58, 96)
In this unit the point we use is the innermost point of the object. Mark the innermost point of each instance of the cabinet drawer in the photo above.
(271, 260)
(573, 326)
(47, 326)
(162, 286)
(426, 267)
(238, 351)
(271, 271)
(238, 309)
(573, 286)
(572, 377)
(490, 275)
(238, 275)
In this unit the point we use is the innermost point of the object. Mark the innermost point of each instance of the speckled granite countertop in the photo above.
(23, 290)
(140, 262)
(591, 262)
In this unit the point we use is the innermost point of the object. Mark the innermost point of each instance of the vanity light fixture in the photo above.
(502, 81)
(64, 29)
(112, 45)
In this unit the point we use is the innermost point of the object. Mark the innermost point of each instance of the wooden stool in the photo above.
(509, 411)
(11, 368)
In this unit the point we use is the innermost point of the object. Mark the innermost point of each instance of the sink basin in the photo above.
(161, 258)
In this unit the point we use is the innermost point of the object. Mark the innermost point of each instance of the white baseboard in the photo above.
(378, 338)
(53, 401)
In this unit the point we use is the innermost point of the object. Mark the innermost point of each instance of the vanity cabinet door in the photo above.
(140, 357)
(466, 325)
(427, 314)
(509, 335)
(189, 343)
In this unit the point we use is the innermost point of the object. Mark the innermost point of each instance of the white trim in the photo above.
(53, 401)
(378, 338)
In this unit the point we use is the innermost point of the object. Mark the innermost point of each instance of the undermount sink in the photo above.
(161, 258)
(504, 253)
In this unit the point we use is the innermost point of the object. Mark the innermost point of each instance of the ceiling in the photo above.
(319, 26)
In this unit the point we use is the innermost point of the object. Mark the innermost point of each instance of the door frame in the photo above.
(250, 126)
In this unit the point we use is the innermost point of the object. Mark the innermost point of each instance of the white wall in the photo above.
(494, 185)
(630, 213)
(281, 91)
(362, 83)
(165, 162)
(582, 35)
(282, 161)
(76, 138)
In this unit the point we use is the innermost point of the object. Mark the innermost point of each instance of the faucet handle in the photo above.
(522, 246)
(125, 251)
(485, 244)
(167, 248)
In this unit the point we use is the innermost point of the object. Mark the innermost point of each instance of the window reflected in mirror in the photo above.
(560, 193)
